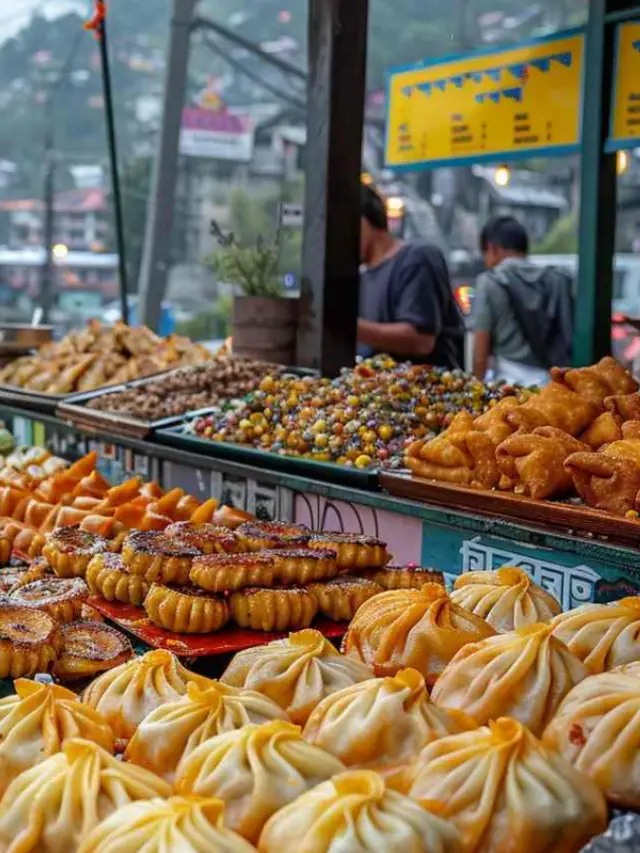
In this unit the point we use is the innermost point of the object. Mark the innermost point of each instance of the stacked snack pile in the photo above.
(580, 434)
(186, 390)
(362, 418)
(100, 355)
(530, 732)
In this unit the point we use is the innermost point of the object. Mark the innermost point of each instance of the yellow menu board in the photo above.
(625, 119)
(521, 101)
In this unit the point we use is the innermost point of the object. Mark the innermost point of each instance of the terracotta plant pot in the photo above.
(265, 328)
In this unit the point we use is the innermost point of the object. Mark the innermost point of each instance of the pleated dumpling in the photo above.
(597, 729)
(296, 673)
(418, 628)
(356, 813)
(175, 729)
(505, 791)
(604, 636)
(256, 770)
(507, 598)
(382, 724)
(126, 694)
(37, 720)
(180, 824)
(524, 674)
(54, 805)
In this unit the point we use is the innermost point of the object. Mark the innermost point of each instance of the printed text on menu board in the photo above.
(625, 123)
(520, 101)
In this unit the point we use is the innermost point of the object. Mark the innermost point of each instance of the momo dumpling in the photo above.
(54, 805)
(256, 770)
(524, 674)
(382, 724)
(356, 813)
(127, 694)
(597, 729)
(417, 628)
(180, 824)
(37, 720)
(507, 598)
(177, 728)
(506, 792)
(296, 673)
(604, 636)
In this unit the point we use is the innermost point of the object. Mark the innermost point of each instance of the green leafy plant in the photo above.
(252, 268)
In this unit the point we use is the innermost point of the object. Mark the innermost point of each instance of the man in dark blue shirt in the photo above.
(407, 307)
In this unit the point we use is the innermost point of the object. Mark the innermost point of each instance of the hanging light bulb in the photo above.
(502, 176)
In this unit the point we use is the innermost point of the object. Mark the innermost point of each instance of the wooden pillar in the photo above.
(331, 256)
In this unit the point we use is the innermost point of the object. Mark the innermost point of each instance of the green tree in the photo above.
(562, 239)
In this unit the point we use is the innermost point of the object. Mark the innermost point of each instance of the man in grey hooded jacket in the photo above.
(522, 313)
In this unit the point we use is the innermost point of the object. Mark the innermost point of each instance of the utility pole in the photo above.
(157, 244)
(48, 272)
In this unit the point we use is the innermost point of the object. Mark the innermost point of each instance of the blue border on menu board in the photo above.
(522, 154)
(613, 145)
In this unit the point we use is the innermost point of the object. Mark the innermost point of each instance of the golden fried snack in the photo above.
(624, 407)
(533, 463)
(186, 611)
(610, 479)
(276, 609)
(504, 791)
(256, 770)
(606, 428)
(29, 640)
(207, 538)
(352, 551)
(11, 578)
(598, 381)
(405, 577)
(597, 729)
(5, 550)
(603, 636)
(418, 628)
(525, 674)
(261, 535)
(61, 598)
(556, 406)
(70, 549)
(108, 577)
(89, 649)
(507, 598)
(340, 598)
(157, 558)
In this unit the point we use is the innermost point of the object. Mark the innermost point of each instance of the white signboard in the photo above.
(291, 215)
(216, 135)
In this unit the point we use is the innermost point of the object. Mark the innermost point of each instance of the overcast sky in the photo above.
(15, 13)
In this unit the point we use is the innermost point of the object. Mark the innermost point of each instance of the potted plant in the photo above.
(264, 320)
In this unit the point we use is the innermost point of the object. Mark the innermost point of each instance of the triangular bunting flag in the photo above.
(514, 94)
(636, 45)
(457, 81)
(407, 91)
(494, 96)
(480, 99)
(543, 64)
(565, 59)
(441, 84)
(518, 71)
(425, 88)
(494, 74)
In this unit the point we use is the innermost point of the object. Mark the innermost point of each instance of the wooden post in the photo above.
(331, 248)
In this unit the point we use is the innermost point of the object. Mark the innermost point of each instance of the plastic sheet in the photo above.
(622, 836)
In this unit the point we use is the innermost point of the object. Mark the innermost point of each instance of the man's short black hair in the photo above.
(373, 208)
(506, 233)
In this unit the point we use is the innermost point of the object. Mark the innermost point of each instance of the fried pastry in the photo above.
(276, 609)
(556, 406)
(186, 611)
(11, 578)
(108, 577)
(297, 673)
(405, 577)
(340, 598)
(606, 428)
(171, 732)
(70, 549)
(179, 825)
(352, 551)
(89, 649)
(598, 381)
(382, 724)
(5, 550)
(507, 598)
(255, 770)
(52, 807)
(524, 674)
(418, 628)
(603, 636)
(355, 811)
(533, 463)
(126, 694)
(61, 598)
(597, 729)
(29, 640)
(229, 572)
(263, 535)
(36, 721)
(207, 538)
(505, 791)
(157, 558)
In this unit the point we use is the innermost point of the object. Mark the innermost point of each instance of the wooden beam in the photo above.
(331, 247)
